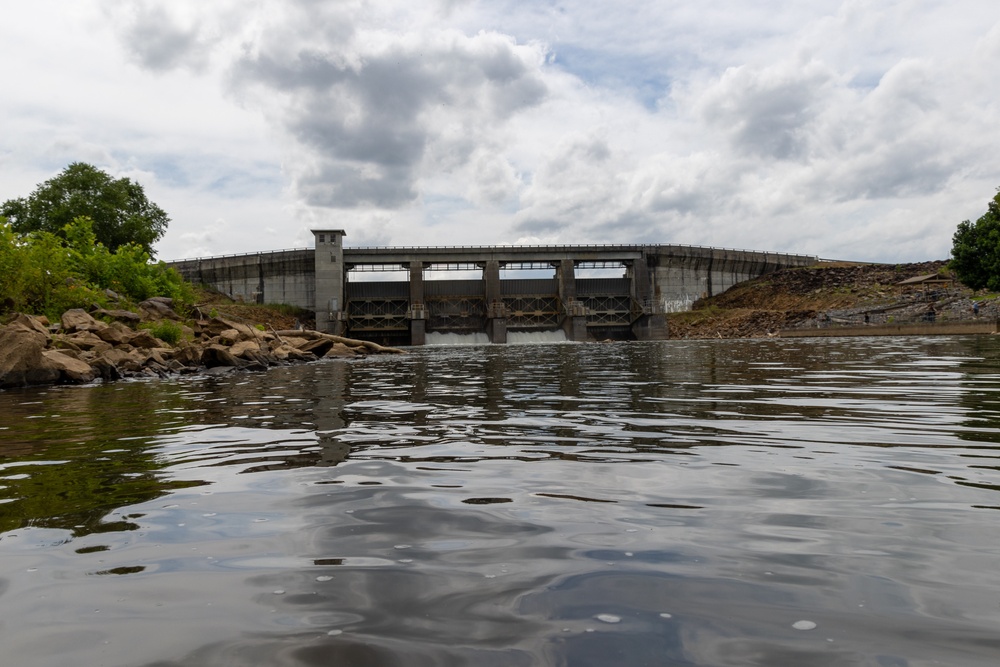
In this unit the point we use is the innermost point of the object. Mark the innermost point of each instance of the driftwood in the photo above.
(349, 342)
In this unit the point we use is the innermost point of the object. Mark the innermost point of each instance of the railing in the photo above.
(238, 254)
(584, 246)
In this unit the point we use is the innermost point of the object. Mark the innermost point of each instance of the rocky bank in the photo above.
(82, 348)
(832, 295)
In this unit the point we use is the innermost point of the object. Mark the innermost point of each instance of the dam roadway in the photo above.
(653, 280)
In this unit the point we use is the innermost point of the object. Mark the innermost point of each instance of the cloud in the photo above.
(161, 39)
(367, 117)
(469, 122)
(768, 112)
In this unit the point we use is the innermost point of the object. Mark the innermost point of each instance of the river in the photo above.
(713, 503)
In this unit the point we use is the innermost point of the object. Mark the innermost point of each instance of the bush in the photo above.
(166, 330)
(42, 273)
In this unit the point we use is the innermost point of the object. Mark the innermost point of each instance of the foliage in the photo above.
(975, 249)
(166, 330)
(121, 212)
(43, 273)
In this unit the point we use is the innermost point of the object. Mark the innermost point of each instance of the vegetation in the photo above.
(166, 330)
(41, 272)
(120, 212)
(976, 249)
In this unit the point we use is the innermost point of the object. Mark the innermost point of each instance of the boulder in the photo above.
(124, 361)
(119, 315)
(229, 336)
(144, 339)
(218, 355)
(241, 348)
(319, 347)
(86, 340)
(21, 359)
(77, 319)
(70, 369)
(105, 369)
(189, 356)
(115, 334)
(36, 323)
(158, 308)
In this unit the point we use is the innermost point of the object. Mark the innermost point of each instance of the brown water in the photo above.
(827, 503)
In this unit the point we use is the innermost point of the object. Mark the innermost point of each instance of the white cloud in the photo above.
(844, 128)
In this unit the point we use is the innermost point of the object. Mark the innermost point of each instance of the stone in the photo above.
(241, 348)
(319, 347)
(158, 308)
(31, 323)
(119, 315)
(144, 339)
(229, 336)
(77, 319)
(21, 359)
(115, 334)
(188, 356)
(70, 369)
(105, 369)
(86, 340)
(218, 355)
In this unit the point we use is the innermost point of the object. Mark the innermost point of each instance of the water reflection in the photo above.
(825, 502)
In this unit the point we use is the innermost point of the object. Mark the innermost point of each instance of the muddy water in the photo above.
(774, 503)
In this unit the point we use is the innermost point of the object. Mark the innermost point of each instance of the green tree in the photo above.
(975, 249)
(121, 212)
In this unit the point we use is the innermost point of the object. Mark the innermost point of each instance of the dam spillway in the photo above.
(655, 280)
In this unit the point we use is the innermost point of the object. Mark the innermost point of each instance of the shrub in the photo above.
(166, 330)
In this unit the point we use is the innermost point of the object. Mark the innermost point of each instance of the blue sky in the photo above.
(853, 129)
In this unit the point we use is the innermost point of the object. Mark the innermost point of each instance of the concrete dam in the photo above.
(654, 280)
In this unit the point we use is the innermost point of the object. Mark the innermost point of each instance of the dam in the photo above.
(650, 281)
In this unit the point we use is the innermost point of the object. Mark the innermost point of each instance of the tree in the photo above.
(118, 207)
(975, 249)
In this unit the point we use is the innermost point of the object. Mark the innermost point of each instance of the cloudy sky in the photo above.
(848, 129)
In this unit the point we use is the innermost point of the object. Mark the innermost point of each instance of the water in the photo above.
(782, 502)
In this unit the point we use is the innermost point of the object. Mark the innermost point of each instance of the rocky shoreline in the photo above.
(82, 348)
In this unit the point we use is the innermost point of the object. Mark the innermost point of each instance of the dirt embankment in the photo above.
(830, 295)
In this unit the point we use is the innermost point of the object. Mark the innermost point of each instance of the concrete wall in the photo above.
(684, 274)
(287, 276)
(669, 277)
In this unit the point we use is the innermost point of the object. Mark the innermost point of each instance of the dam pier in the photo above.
(654, 280)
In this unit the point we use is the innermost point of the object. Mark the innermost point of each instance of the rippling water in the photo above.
(785, 502)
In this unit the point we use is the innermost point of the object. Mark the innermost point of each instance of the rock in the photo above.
(218, 355)
(130, 361)
(31, 323)
(105, 369)
(319, 347)
(86, 340)
(70, 369)
(111, 294)
(144, 339)
(295, 341)
(158, 308)
(230, 330)
(21, 360)
(189, 356)
(119, 315)
(241, 348)
(77, 319)
(116, 334)
(229, 336)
